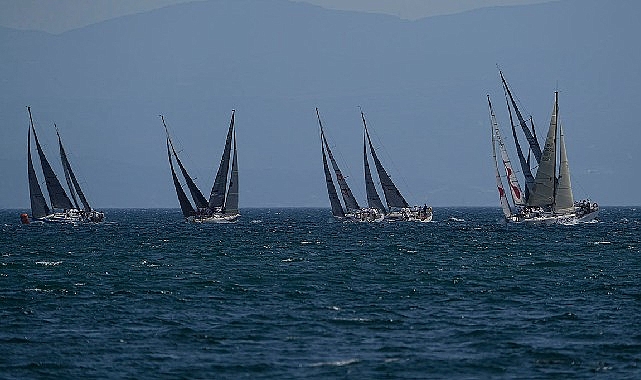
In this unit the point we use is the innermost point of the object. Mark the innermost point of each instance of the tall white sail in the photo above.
(518, 197)
(545, 179)
(505, 205)
(564, 200)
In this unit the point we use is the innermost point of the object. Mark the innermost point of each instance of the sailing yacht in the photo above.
(63, 209)
(397, 208)
(222, 206)
(548, 196)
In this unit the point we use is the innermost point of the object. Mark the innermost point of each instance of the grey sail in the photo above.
(564, 200)
(185, 205)
(57, 195)
(393, 197)
(72, 182)
(525, 162)
(334, 201)
(39, 208)
(350, 202)
(218, 191)
(373, 199)
(545, 180)
(231, 202)
(534, 144)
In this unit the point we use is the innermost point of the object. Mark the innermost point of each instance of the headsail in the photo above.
(348, 197)
(196, 194)
(525, 162)
(545, 180)
(337, 208)
(564, 200)
(231, 202)
(57, 195)
(534, 144)
(393, 197)
(39, 208)
(505, 205)
(218, 191)
(72, 182)
(373, 199)
(185, 205)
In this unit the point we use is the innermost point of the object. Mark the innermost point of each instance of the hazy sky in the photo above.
(57, 16)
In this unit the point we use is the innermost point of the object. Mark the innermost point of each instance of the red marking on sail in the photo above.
(501, 192)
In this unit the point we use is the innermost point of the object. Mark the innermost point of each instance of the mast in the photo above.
(373, 199)
(337, 208)
(185, 205)
(57, 195)
(231, 202)
(196, 194)
(534, 144)
(545, 180)
(393, 197)
(505, 205)
(218, 191)
(346, 192)
(564, 200)
(72, 182)
(39, 208)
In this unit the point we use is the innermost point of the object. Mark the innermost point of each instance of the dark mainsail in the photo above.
(57, 195)
(525, 163)
(39, 208)
(185, 205)
(72, 182)
(231, 202)
(534, 144)
(373, 199)
(393, 197)
(337, 208)
(217, 197)
(350, 202)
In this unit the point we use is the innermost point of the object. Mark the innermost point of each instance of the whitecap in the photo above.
(49, 263)
(337, 363)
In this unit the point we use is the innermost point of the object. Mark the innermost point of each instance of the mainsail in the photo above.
(39, 208)
(231, 202)
(505, 205)
(515, 188)
(72, 182)
(545, 180)
(393, 197)
(373, 199)
(534, 144)
(57, 195)
(350, 202)
(563, 200)
(337, 208)
(525, 162)
(218, 191)
(185, 205)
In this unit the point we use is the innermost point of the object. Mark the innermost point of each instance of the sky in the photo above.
(57, 16)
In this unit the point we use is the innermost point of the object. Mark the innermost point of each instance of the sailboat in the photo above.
(548, 196)
(397, 207)
(63, 209)
(222, 206)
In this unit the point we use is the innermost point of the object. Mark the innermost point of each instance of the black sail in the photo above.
(231, 202)
(531, 139)
(196, 194)
(334, 201)
(373, 199)
(185, 205)
(57, 195)
(217, 197)
(393, 197)
(72, 182)
(525, 163)
(39, 208)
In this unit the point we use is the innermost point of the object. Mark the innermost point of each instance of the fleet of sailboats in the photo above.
(548, 196)
(222, 206)
(397, 207)
(63, 209)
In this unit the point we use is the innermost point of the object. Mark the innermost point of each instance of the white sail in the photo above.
(505, 205)
(518, 197)
(545, 179)
(564, 200)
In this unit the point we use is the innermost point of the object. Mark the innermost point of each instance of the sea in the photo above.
(293, 293)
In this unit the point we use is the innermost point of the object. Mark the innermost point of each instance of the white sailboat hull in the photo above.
(416, 214)
(214, 218)
(575, 217)
(74, 216)
(366, 215)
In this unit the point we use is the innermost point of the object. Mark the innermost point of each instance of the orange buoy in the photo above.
(24, 218)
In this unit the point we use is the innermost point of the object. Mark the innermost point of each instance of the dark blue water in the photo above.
(292, 293)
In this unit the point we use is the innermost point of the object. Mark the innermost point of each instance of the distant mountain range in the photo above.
(422, 85)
